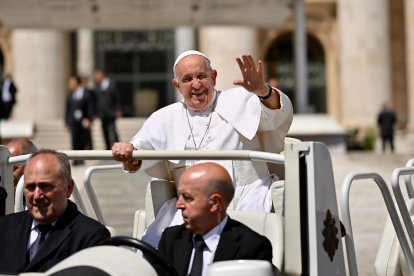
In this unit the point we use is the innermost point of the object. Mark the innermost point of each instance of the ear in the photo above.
(70, 188)
(215, 202)
(176, 84)
(214, 75)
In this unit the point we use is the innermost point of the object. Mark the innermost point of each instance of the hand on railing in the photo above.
(122, 152)
(132, 166)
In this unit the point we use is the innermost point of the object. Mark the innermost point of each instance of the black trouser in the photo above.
(5, 110)
(387, 139)
(79, 136)
(109, 132)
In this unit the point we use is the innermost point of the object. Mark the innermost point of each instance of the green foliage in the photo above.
(369, 140)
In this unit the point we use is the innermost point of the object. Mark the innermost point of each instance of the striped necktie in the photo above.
(42, 230)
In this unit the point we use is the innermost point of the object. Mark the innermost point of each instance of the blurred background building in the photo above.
(360, 53)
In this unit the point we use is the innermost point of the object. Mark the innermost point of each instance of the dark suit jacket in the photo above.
(72, 232)
(108, 100)
(386, 120)
(83, 104)
(237, 241)
(12, 90)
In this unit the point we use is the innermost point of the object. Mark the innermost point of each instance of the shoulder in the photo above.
(167, 111)
(174, 231)
(14, 218)
(79, 220)
(13, 221)
(169, 108)
(243, 230)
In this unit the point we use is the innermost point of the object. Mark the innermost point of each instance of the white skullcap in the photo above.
(189, 53)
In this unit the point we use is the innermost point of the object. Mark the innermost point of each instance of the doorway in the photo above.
(281, 66)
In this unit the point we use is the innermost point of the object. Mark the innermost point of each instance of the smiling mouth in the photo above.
(198, 93)
(40, 205)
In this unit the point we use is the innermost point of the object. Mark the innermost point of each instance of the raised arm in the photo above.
(254, 81)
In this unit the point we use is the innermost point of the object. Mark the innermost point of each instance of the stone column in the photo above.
(409, 27)
(222, 44)
(85, 50)
(7, 50)
(41, 60)
(364, 60)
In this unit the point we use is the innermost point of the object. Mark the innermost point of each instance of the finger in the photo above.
(251, 62)
(114, 146)
(241, 65)
(260, 65)
(238, 82)
(246, 61)
(260, 68)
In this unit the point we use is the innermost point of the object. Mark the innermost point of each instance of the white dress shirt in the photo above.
(211, 240)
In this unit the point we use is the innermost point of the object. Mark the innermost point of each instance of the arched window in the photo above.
(281, 65)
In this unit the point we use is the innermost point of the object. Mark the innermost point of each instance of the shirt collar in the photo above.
(35, 223)
(212, 238)
(105, 83)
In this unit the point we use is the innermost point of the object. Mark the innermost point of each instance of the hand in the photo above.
(122, 151)
(132, 166)
(253, 77)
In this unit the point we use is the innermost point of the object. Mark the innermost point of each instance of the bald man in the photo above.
(20, 147)
(205, 191)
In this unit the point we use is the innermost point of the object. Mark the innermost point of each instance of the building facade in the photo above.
(360, 56)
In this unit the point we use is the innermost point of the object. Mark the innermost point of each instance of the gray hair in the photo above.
(63, 163)
(225, 188)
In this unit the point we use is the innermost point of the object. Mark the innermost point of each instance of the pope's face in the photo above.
(195, 80)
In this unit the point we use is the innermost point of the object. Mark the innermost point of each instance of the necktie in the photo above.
(197, 267)
(42, 230)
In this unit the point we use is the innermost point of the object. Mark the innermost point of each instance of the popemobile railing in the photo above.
(392, 211)
(7, 162)
(312, 208)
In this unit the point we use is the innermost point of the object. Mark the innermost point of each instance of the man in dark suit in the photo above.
(52, 228)
(7, 97)
(386, 120)
(205, 191)
(92, 95)
(78, 115)
(108, 106)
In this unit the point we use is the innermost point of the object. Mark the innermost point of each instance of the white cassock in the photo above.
(237, 121)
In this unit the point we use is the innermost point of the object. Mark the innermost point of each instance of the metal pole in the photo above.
(301, 69)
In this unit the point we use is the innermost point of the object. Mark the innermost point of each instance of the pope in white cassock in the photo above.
(252, 116)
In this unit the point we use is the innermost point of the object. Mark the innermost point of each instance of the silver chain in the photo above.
(208, 125)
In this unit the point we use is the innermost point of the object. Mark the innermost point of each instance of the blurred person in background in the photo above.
(89, 90)
(20, 147)
(7, 97)
(78, 115)
(386, 120)
(108, 106)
